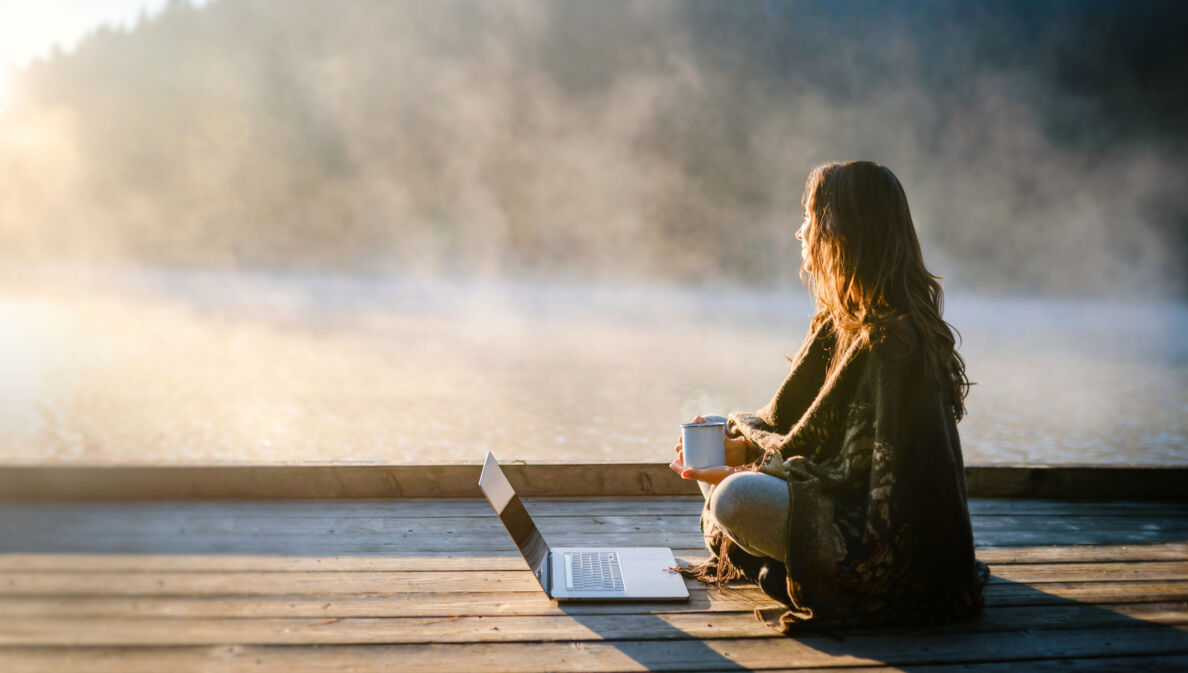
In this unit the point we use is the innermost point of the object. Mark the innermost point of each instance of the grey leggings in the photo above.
(751, 508)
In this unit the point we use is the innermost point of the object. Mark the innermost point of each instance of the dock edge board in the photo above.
(30, 483)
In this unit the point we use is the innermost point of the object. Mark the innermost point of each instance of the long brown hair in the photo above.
(866, 269)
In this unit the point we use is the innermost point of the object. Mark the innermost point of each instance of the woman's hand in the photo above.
(736, 451)
(710, 475)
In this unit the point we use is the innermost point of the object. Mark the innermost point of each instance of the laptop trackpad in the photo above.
(649, 575)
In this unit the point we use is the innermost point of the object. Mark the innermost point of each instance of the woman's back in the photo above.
(878, 525)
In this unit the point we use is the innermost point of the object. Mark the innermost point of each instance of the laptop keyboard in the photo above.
(593, 571)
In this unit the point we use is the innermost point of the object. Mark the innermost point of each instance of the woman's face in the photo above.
(801, 234)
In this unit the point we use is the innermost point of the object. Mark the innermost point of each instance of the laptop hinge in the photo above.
(545, 571)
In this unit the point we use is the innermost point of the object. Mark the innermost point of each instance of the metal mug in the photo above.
(705, 443)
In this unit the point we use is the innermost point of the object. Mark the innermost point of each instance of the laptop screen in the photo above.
(515, 518)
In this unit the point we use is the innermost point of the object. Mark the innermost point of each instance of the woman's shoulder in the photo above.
(895, 337)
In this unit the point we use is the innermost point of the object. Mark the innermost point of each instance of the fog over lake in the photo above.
(189, 368)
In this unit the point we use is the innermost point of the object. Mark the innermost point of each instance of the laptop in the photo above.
(582, 573)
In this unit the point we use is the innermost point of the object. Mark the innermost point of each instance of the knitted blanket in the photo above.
(878, 531)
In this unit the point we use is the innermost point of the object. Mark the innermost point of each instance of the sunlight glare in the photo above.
(30, 30)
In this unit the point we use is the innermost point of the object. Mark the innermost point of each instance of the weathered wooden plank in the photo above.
(422, 605)
(633, 655)
(100, 563)
(504, 560)
(480, 543)
(1031, 538)
(350, 631)
(475, 581)
(138, 631)
(146, 523)
(1060, 508)
(149, 520)
(1095, 482)
(330, 481)
(985, 524)
(416, 508)
(1077, 482)
(255, 527)
(1012, 593)
(488, 540)
(1090, 572)
(538, 507)
(739, 597)
(1172, 551)
(249, 583)
(232, 583)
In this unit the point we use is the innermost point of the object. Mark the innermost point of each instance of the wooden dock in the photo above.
(435, 585)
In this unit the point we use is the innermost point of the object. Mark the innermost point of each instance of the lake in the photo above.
(169, 367)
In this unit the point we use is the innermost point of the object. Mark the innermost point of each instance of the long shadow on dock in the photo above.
(653, 643)
(1024, 623)
(1021, 625)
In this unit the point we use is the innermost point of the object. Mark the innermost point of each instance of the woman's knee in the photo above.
(751, 508)
(744, 497)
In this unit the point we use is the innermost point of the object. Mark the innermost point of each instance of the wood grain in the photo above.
(435, 585)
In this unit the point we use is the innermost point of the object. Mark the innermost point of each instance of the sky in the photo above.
(30, 28)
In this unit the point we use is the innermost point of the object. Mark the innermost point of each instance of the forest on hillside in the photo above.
(1042, 145)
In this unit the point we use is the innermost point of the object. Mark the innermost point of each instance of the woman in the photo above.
(844, 497)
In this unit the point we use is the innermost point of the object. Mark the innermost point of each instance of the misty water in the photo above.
(201, 368)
